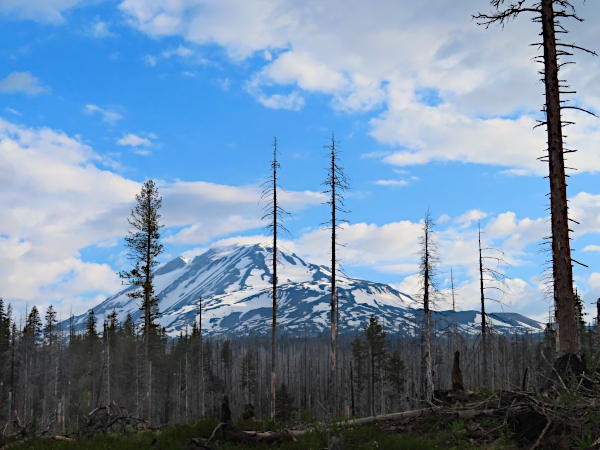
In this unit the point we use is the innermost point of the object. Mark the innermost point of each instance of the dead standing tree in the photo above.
(336, 184)
(549, 13)
(275, 216)
(489, 279)
(428, 271)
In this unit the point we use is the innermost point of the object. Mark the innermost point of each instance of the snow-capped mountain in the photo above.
(234, 283)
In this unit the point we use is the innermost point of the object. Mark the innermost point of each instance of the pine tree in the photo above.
(109, 338)
(32, 337)
(248, 376)
(284, 406)
(143, 246)
(396, 372)
(4, 330)
(51, 326)
(359, 355)
(375, 347)
(90, 341)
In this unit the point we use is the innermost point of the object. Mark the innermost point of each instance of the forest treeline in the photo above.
(54, 376)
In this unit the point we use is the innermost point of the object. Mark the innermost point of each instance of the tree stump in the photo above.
(568, 366)
(458, 385)
(335, 442)
(249, 412)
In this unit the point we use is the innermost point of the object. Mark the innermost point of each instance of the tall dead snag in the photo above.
(490, 278)
(428, 271)
(454, 305)
(336, 184)
(143, 248)
(201, 362)
(275, 216)
(549, 13)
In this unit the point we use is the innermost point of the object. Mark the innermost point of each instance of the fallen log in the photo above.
(393, 416)
(43, 438)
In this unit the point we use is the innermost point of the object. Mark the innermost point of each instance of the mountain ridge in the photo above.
(234, 283)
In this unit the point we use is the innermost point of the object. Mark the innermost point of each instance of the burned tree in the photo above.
(275, 216)
(143, 246)
(549, 13)
(493, 279)
(454, 305)
(428, 271)
(336, 184)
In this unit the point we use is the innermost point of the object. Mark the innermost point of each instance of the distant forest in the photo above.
(55, 376)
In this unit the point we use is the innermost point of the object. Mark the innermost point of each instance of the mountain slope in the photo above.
(234, 283)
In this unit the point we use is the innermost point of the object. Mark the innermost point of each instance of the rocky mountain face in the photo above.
(234, 284)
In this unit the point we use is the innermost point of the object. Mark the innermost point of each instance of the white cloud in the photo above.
(53, 188)
(12, 111)
(150, 60)
(57, 202)
(225, 209)
(100, 29)
(469, 216)
(179, 51)
(591, 248)
(450, 90)
(133, 140)
(293, 101)
(107, 116)
(23, 82)
(444, 218)
(47, 11)
(391, 182)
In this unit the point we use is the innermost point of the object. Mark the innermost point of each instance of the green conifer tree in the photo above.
(143, 247)
(284, 404)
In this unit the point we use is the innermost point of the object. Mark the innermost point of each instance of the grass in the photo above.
(429, 432)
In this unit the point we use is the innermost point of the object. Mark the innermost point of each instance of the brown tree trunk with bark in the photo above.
(561, 249)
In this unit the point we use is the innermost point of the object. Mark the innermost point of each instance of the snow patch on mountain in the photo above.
(234, 283)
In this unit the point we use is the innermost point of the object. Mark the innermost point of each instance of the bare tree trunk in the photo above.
(454, 310)
(274, 339)
(426, 363)
(484, 349)
(201, 357)
(561, 249)
(333, 288)
(598, 320)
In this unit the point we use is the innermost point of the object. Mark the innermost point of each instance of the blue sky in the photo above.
(431, 111)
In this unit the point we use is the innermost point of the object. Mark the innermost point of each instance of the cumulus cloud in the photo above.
(47, 11)
(133, 140)
(23, 82)
(391, 182)
(58, 202)
(449, 90)
(225, 209)
(179, 51)
(100, 29)
(107, 115)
